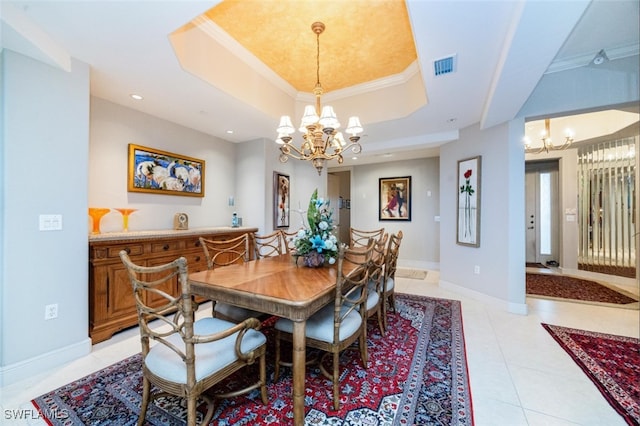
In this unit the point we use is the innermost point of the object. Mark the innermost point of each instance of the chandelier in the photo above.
(547, 144)
(321, 140)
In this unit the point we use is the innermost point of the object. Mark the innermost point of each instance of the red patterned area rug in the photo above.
(417, 375)
(565, 287)
(611, 362)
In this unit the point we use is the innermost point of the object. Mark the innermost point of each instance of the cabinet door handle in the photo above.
(165, 247)
(197, 243)
(197, 258)
(127, 250)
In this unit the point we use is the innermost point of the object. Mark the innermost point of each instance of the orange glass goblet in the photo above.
(125, 218)
(96, 214)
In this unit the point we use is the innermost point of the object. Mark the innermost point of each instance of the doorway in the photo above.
(542, 212)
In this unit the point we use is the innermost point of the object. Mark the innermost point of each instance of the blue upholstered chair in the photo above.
(189, 357)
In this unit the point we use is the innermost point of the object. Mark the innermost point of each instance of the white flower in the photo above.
(302, 233)
(329, 245)
(323, 225)
(332, 260)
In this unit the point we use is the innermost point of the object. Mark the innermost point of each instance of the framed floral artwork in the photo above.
(468, 233)
(394, 198)
(160, 172)
(281, 185)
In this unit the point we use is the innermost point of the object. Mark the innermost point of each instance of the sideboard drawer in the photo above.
(167, 246)
(131, 249)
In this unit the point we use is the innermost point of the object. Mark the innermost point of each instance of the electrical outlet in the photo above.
(476, 269)
(51, 311)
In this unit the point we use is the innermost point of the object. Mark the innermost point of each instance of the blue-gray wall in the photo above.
(44, 171)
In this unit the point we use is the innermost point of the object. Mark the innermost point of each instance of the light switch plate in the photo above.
(50, 222)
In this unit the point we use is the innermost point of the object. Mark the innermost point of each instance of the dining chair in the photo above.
(220, 253)
(340, 323)
(272, 244)
(288, 238)
(188, 357)
(390, 265)
(375, 287)
(359, 238)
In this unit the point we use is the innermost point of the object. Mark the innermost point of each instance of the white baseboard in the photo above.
(13, 373)
(514, 308)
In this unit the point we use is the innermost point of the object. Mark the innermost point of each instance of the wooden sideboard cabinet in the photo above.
(111, 303)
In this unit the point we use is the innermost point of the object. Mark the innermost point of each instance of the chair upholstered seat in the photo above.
(372, 295)
(320, 324)
(212, 357)
(391, 284)
(390, 266)
(235, 313)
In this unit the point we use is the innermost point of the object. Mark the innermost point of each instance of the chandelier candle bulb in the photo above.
(547, 142)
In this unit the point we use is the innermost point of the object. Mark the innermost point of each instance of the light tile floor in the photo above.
(519, 375)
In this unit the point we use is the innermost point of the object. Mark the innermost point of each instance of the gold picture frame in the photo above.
(160, 172)
(394, 199)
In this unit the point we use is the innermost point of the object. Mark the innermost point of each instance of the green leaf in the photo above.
(312, 211)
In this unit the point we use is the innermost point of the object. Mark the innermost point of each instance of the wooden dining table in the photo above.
(277, 286)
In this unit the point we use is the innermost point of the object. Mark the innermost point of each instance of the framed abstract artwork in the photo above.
(281, 185)
(160, 172)
(468, 232)
(394, 198)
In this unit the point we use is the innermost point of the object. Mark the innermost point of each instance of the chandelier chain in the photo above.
(318, 59)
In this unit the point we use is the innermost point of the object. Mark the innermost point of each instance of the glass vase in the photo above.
(125, 218)
(96, 214)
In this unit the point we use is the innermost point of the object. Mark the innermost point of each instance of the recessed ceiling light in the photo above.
(354, 158)
(230, 132)
(388, 154)
(136, 97)
(452, 120)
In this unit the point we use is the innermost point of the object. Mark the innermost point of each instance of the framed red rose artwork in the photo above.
(468, 233)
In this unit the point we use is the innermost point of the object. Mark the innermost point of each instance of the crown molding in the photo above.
(579, 61)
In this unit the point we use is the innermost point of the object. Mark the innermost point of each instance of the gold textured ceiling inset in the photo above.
(363, 40)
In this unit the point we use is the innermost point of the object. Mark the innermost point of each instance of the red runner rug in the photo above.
(562, 286)
(417, 375)
(611, 362)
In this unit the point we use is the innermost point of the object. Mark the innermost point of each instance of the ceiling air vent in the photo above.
(445, 65)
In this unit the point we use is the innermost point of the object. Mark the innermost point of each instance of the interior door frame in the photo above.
(533, 170)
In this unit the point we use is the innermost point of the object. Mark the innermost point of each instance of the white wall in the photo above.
(44, 171)
(252, 185)
(501, 254)
(420, 245)
(113, 127)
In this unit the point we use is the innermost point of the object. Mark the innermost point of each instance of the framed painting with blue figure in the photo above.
(160, 172)
(281, 191)
(468, 189)
(394, 198)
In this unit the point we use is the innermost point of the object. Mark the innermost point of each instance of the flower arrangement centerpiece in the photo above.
(316, 243)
